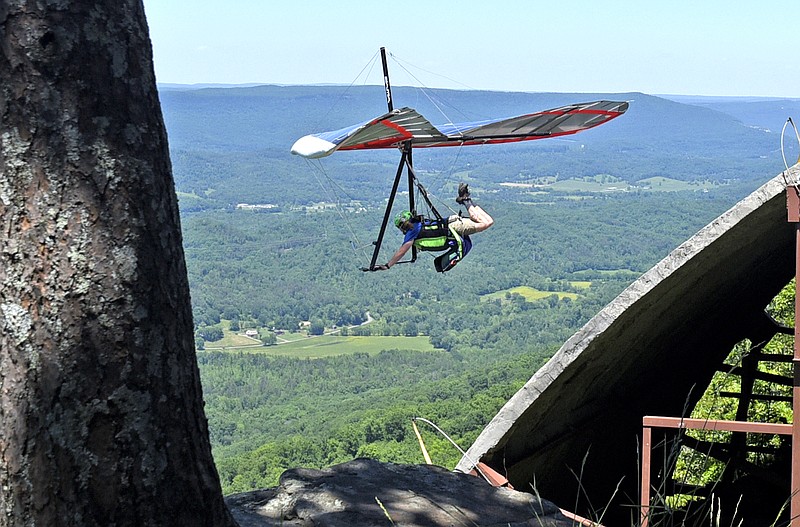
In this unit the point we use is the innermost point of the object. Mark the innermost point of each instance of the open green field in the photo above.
(330, 345)
(611, 184)
(596, 184)
(529, 293)
(232, 340)
(291, 337)
(594, 273)
(665, 184)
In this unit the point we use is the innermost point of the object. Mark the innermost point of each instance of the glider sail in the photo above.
(387, 131)
(406, 126)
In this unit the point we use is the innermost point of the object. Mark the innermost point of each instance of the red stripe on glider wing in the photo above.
(527, 128)
(391, 129)
(407, 125)
(383, 142)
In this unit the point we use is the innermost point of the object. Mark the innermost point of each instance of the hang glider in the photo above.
(405, 129)
(405, 126)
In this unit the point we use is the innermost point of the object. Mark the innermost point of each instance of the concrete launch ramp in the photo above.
(651, 351)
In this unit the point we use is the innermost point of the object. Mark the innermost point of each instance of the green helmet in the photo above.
(402, 217)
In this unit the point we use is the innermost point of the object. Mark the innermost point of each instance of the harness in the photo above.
(438, 235)
(434, 235)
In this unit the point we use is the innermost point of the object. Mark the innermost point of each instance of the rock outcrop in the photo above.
(365, 492)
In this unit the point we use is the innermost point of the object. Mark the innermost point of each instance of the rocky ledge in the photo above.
(365, 492)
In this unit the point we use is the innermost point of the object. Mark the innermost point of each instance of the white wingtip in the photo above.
(312, 147)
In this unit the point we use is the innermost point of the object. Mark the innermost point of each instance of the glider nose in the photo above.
(312, 147)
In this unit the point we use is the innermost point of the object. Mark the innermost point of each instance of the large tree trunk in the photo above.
(101, 410)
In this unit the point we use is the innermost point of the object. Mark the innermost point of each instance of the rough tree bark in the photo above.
(101, 411)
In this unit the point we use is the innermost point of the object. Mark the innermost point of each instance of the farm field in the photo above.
(530, 294)
(601, 184)
(322, 346)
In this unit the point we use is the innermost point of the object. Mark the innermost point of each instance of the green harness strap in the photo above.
(457, 238)
(442, 241)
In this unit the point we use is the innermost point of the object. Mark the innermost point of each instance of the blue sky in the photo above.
(698, 47)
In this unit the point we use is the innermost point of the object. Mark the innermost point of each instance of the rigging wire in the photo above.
(447, 175)
(424, 87)
(419, 189)
(318, 169)
(332, 196)
(425, 91)
(368, 67)
(399, 60)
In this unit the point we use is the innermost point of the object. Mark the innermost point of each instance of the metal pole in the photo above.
(647, 435)
(386, 80)
(386, 214)
(411, 205)
(793, 209)
(682, 423)
(795, 499)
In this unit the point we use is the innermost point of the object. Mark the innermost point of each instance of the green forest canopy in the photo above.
(599, 211)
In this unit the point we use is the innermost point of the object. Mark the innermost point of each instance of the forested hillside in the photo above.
(231, 145)
(576, 221)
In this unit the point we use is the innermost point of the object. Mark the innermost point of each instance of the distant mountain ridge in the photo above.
(768, 113)
(251, 128)
(298, 110)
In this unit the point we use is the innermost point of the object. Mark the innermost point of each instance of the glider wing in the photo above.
(407, 125)
(386, 131)
(565, 120)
